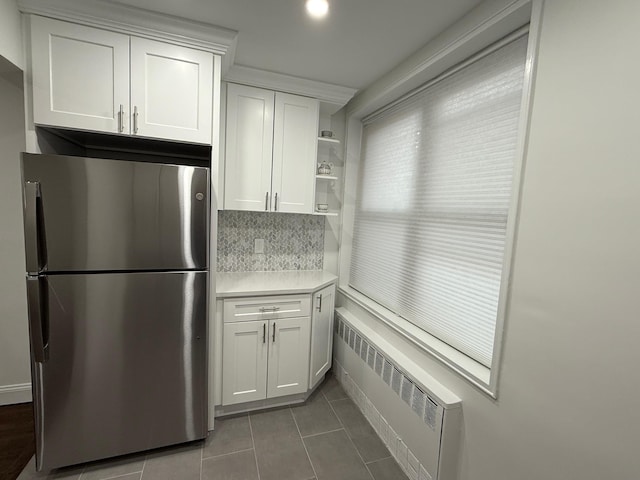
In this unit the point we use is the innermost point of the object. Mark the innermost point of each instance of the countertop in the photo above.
(242, 284)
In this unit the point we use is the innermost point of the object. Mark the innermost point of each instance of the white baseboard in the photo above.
(19, 393)
(403, 455)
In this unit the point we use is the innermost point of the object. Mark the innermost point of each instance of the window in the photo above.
(434, 194)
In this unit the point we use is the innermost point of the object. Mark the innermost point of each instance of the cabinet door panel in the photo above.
(244, 363)
(288, 357)
(249, 140)
(171, 88)
(321, 334)
(294, 152)
(80, 76)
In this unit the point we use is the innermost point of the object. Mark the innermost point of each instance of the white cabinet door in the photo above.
(80, 76)
(244, 362)
(249, 140)
(294, 153)
(321, 334)
(288, 357)
(171, 91)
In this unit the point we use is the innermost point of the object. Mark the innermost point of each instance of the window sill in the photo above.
(468, 368)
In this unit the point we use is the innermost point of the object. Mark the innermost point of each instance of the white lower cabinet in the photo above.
(244, 376)
(266, 355)
(321, 334)
(288, 357)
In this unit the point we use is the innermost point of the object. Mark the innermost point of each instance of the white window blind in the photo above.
(433, 200)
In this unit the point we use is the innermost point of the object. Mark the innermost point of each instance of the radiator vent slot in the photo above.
(431, 413)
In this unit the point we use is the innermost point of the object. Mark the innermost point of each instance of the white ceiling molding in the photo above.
(327, 93)
(481, 27)
(139, 22)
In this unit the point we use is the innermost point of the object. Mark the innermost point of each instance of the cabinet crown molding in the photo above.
(138, 22)
(333, 97)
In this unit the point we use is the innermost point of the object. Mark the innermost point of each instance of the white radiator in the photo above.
(417, 418)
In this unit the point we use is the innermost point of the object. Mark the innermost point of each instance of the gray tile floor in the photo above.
(327, 438)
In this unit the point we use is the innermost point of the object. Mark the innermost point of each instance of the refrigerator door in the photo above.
(87, 214)
(125, 368)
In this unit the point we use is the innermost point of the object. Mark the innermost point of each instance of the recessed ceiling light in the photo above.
(317, 8)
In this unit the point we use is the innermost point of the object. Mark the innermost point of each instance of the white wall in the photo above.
(14, 346)
(569, 396)
(10, 33)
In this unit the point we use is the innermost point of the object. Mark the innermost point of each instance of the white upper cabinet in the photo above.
(270, 150)
(92, 79)
(80, 75)
(294, 153)
(249, 148)
(171, 91)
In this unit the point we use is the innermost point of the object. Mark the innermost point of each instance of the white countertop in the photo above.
(241, 284)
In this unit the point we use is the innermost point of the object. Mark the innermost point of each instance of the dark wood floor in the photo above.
(17, 441)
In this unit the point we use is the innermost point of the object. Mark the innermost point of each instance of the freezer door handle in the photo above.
(35, 245)
(36, 298)
(31, 194)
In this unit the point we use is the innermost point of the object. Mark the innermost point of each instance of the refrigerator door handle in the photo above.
(35, 246)
(38, 318)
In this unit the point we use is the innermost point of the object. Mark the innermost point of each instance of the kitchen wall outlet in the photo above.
(259, 245)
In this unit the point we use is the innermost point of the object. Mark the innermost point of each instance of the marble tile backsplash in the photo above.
(291, 241)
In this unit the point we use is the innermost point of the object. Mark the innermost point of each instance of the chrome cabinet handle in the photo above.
(276, 203)
(264, 333)
(268, 309)
(121, 119)
(266, 202)
(320, 303)
(135, 119)
(274, 332)
(37, 306)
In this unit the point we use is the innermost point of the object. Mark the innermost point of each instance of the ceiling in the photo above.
(358, 42)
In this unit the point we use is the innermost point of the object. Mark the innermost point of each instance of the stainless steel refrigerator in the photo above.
(117, 280)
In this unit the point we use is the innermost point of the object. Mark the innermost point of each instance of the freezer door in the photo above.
(125, 368)
(87, 214)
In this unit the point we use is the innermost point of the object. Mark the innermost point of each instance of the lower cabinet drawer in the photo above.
(261, 308)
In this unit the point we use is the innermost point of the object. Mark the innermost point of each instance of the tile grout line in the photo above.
(144, 464)
(228, 453)
(379, 459)
(120, 476)
(303, 444)
(84, 467)
(202, 453)
(349, 436)
(321, 433)
(368, 470)
(253, 443)
(337, 399)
